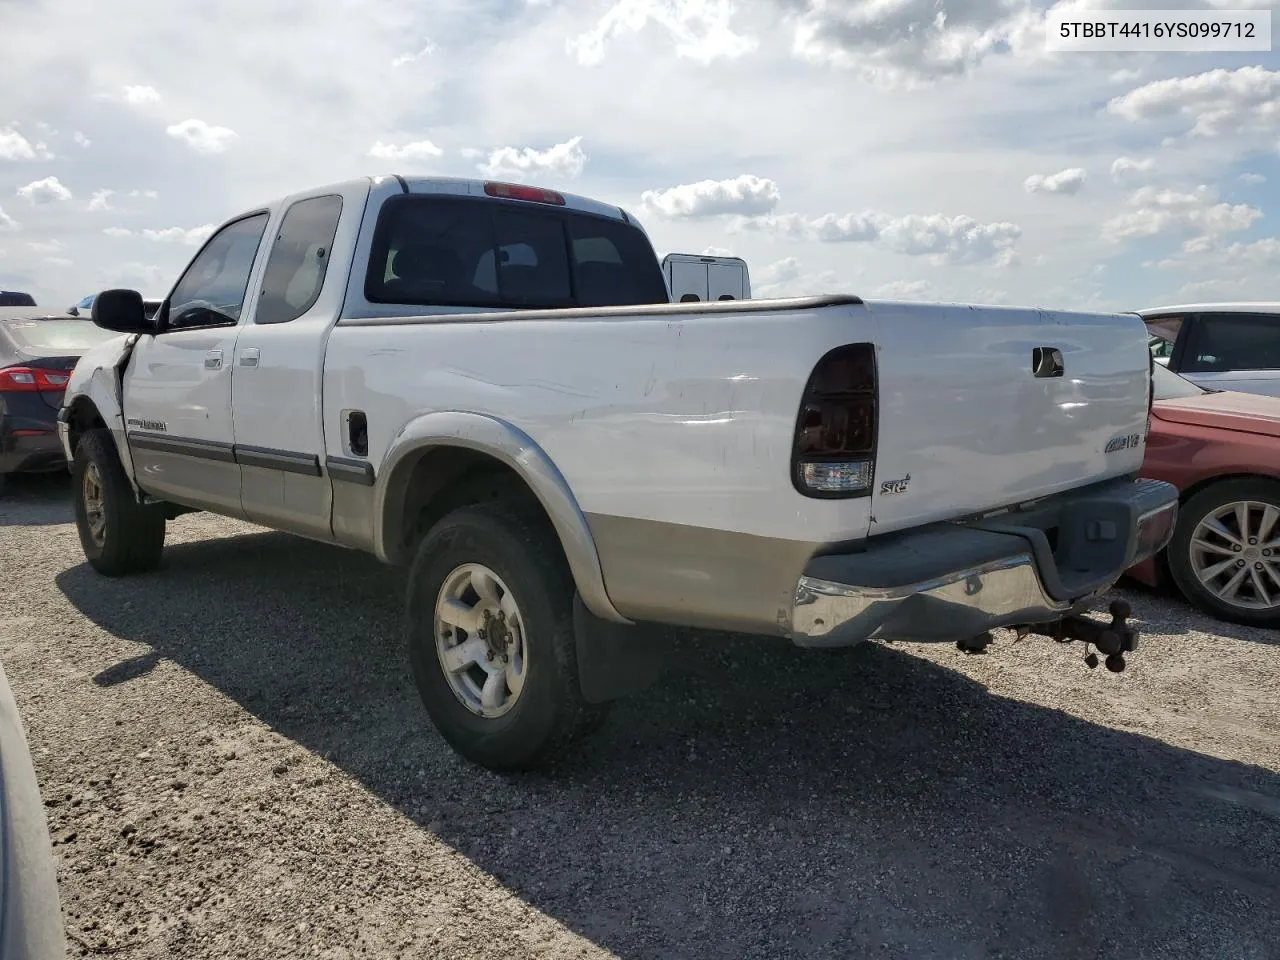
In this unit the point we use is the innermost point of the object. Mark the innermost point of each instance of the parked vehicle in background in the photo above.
(37, 355)
(691, 278)
(85, 307)
(1221, 449)
(30, 914)
(1223, 346)
(488, 381)
(15, 298)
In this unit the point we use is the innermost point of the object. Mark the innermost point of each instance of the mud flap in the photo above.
(614, 659)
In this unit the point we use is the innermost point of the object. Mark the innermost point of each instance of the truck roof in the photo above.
(470, 186)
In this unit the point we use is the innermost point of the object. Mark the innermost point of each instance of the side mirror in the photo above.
(121, 311)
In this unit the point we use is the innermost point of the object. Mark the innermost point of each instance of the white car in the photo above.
(488, 382)
(1222, 346)
(30, 914)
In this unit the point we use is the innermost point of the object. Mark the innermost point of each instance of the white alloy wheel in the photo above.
(480, 640)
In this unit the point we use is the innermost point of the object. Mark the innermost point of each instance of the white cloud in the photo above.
(145, 194)
(7, 222)
(787, 278)
(1252, 179)
(1157, 211)
(14, 146)
(745, 195)
(1208, 104)
(81, 139)
(417, 150)
(133, 95)
(48, 190)
(192, 237)
(45, 246)
(101, 200)
(1064, 182)
(700, 28)
(717, 252)
(563, 160)
(906, 42)
(57, 261)
(200, 136)
(944, 239)
(425, 50)
(1122, 167)
(117, 232)
(904, 290)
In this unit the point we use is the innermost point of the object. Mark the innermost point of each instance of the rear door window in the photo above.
(299, 259)
(449, 251)
(1224, 342)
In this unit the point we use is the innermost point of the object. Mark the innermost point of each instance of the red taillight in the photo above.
(518, 191)
(835, 442)
(32, 380)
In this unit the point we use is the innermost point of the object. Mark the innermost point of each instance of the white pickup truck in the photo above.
(487, 381)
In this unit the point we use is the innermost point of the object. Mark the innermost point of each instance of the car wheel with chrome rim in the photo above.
(1225, 554)
(491, 640)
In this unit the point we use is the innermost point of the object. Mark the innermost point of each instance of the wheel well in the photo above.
(1192, 489)
(441, 480)
(84, 416)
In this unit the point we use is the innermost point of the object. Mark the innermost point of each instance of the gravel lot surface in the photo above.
(236, 765)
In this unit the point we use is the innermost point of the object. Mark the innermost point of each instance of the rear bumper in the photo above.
(29, 448)
(951, 581)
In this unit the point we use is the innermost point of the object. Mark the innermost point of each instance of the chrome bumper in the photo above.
(969, 598)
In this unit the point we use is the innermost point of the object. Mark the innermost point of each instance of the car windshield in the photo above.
(56, 336)
(1169, 386)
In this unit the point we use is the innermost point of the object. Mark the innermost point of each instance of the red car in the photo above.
(1221, 449)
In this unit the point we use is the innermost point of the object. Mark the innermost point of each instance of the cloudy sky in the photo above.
(926, 149)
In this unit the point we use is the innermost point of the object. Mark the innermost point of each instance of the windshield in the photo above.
(57, 336)
(1170, 386)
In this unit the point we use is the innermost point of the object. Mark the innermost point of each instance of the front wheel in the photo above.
(119, 535)
(491, 639)
(1225, 552)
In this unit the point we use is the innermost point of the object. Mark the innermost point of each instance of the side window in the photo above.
(211, 292)
(299, 259)
(1224, 342)
(1162, 334)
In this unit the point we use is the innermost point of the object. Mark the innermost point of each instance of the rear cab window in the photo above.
(488, 253)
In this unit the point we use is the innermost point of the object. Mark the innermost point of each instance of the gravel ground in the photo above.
(236, 765)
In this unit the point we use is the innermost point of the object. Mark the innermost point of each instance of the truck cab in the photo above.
(692, 278)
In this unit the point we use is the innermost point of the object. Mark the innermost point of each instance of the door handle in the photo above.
(249, 357)
(213, 360)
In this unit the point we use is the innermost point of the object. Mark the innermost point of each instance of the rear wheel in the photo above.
(119, 535)
(490, 636)
(1225, 553)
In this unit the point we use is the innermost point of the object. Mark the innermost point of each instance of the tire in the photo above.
(548, 711)
(1247, 606)
(126, 536)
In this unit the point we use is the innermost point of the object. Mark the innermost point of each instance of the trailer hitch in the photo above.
(1113, 640)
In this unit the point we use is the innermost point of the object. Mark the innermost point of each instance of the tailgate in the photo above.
(964, 415)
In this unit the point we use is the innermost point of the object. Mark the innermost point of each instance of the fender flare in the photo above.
(100, 390)
(513, 447)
